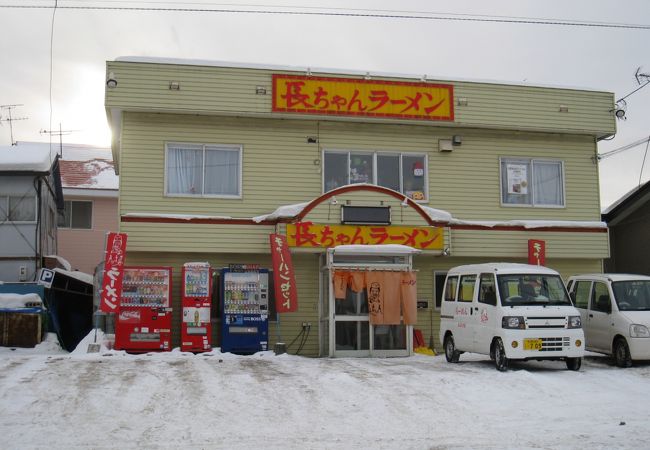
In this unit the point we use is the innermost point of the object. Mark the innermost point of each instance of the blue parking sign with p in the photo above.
(46, 277)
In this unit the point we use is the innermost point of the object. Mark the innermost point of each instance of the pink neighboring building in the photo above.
(90, 191)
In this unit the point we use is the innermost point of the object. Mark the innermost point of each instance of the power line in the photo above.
(623, 148)
(374, 14)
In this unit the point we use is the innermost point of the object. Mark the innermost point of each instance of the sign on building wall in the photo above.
(308, 234)
(113, 271)
(536, 252)
(357, 97)
(284, 279)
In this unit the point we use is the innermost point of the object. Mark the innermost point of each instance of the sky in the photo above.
(113, 400)
(66, 90)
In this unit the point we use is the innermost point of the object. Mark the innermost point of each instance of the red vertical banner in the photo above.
(536, 252)
(113, 272)
(286, 295)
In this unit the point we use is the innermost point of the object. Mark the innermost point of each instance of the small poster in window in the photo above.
(517, 177)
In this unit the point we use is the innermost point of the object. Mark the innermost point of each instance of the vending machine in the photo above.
(196, 329)
(144, 317)
(244, 308)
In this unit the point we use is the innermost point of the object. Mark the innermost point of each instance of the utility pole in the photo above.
(60, 134)
(10, 119)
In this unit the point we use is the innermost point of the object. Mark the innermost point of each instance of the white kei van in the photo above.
(509, 311)
(615, 310)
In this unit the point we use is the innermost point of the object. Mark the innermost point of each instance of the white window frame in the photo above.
(374, 154)
(530, 162)
(92, 216)
(231, 147)
(5, 198)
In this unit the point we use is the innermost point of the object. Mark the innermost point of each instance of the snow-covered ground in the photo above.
(52, 399)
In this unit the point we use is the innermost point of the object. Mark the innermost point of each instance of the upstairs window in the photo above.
(77, 215)
(203, 170)
(402, 172)
(532, 182)
(16, 208)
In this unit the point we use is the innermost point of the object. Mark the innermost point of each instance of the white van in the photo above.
(615, 310)
(509, 311)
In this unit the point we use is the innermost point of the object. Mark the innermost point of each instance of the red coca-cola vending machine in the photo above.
(144, 318)
(196, 329)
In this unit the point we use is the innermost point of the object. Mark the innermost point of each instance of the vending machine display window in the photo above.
(143, 321)
(196, 328)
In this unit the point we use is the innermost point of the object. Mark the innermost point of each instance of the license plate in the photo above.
(532, 344)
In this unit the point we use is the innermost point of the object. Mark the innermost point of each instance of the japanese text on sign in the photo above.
(113, 271)
(286, 295)
(307, 234)
(354, 97)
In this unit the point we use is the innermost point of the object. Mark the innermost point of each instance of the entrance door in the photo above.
(351, 333)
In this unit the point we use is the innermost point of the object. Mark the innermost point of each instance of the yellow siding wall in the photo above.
(231, 91)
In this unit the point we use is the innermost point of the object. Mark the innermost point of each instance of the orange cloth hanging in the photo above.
(357, 281)
(383, 297)
(409, 292)
(340, 281)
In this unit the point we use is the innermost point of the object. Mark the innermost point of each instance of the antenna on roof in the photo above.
(60, 133)
(10, 120)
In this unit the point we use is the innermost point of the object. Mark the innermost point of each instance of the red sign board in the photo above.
(113, 271)
(536, 252)
(286, 295)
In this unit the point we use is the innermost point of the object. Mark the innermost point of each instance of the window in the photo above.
(438, 286)
(581, 294)
(532, 182)
(203, 170)
(402, 172)
(600, 298)
(466, 293)
(487, 292)
(77, 215)
(450, 289)
(17, 208)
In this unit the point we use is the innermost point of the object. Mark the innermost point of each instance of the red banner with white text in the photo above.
(286, 295)
(113, 272)
(536, 252)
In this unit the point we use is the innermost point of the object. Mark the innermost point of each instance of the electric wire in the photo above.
(52, 68)
(644, 157)
(623, 148)
(330, 12)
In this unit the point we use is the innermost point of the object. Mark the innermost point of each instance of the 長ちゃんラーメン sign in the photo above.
(361, 97)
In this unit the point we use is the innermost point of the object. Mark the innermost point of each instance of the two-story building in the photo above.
(30, 198)
(214, 157)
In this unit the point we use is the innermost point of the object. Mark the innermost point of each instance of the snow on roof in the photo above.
(92, 174)
(173, 216)
(61, 260)
(243, 65)
(286, 211)
(531, 224)
(81, 276)
(27, 157)
(31, 300)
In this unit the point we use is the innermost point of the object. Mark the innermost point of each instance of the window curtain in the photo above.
(221, 171)
(547, 187)
(185, 169)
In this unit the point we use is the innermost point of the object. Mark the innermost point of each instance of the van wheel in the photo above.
(622, 353)
(573, 363)
(451, 353)
(500, 360)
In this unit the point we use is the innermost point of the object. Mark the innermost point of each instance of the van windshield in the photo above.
(532, 289)
(633, 295)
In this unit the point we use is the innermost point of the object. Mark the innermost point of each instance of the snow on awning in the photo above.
(530, 224)
(286, 211)
(20, 301)
(387, 249)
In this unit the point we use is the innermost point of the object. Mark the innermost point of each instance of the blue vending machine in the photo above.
(244, 309)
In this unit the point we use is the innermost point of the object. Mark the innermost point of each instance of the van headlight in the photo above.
(639, 331)
(574, 322)
(513, 322)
